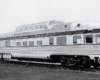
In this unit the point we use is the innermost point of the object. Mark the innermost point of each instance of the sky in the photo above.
(14, 13)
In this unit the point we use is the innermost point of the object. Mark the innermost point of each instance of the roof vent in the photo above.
(78, 25)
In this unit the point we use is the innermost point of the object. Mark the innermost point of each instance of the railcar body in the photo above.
(71, 44)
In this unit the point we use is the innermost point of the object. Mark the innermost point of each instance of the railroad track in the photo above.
(51, 66)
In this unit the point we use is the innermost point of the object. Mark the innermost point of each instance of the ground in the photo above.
(22, 72)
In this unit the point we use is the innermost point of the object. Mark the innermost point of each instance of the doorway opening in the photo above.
(88, 39)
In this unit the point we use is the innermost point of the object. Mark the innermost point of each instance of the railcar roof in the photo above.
(51, 27)
(55, 26)
(6, 35)
(40, 26)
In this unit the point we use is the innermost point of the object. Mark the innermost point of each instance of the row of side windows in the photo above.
(61, 41)
(25, 43)
(31, 43)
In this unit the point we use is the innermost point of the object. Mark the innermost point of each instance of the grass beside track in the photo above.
(22, 72)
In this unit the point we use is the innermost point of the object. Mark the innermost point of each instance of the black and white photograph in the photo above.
(49, 39)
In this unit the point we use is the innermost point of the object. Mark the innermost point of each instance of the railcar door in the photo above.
(77, 40)
(98, 38)
(88, 39)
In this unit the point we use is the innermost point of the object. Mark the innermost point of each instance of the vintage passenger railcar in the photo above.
(71, 44)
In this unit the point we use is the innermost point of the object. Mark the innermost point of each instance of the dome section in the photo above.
(43, 26)
(32, 27)
(55, 24)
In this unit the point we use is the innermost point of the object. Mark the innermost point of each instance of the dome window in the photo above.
(65, 26)
(78, 25)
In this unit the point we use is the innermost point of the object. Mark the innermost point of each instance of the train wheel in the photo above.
(62, 61)
(69, 62)
(84, 62)
(96, 66)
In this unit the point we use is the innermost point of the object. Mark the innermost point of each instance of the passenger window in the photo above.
(31, 43)
(25, 43)
(39, 43)
(18, 44)
(7, 43)
(51, 41)
(61, 40)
